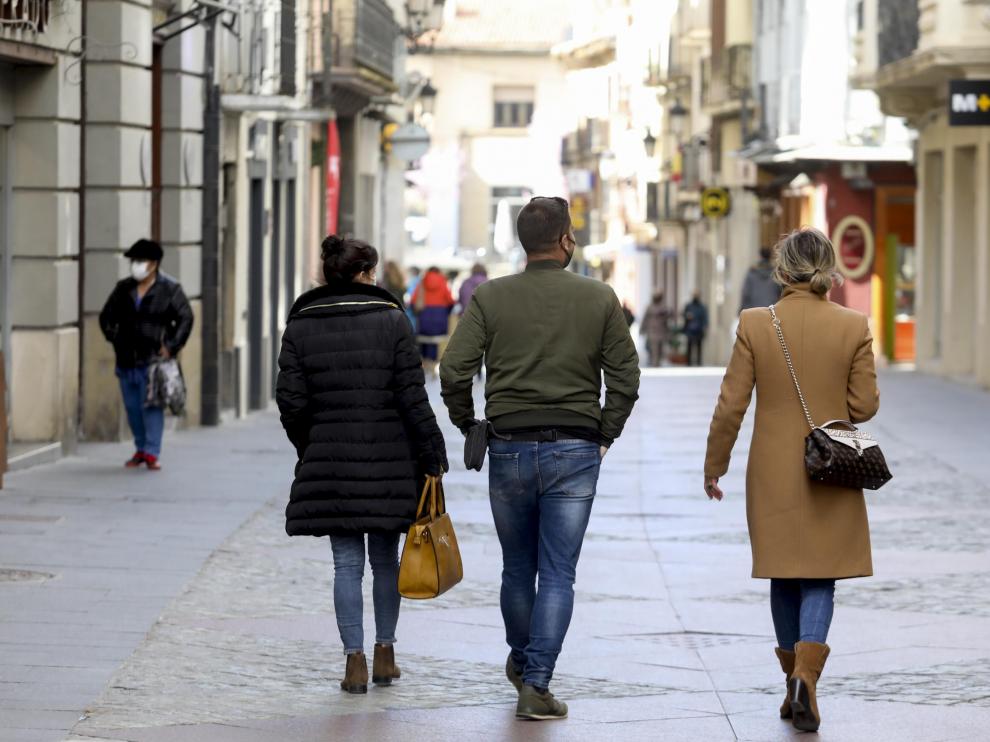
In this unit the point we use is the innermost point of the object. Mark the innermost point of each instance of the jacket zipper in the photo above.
(349, 304)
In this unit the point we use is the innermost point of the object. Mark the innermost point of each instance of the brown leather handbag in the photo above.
(431, 560)
(837, 452)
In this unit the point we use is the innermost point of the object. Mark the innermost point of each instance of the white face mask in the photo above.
(140, 269)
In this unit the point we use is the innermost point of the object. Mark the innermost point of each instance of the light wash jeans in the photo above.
(348, 601)
(802, 610)
(541, 497)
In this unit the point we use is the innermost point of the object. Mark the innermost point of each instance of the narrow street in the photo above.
(153, 607)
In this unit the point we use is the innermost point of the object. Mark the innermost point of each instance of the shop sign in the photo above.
(715, 202)
(579, 180)
(969, 103)
(854, 247)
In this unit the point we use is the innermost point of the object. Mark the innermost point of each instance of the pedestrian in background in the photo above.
(393, 281)
(628, 314)
(805, 535)
(432, 302)
(546, 336)
(414, 279)
(146, 317)
(759, 289)
(656, 328)
(353, 401)
(478, 276)
(695, 328)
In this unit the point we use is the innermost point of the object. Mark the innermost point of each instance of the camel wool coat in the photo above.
(797, 527)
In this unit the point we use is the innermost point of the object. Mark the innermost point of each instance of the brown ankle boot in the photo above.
(356, 676)
(384, 669)
(808, 665)
(787, 665)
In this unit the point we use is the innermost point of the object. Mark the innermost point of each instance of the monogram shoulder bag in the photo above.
(837, 452)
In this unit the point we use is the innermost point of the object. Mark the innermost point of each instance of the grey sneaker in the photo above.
(539, 705)
(514, 675)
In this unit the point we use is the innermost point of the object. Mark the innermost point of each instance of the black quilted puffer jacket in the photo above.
(353, 400)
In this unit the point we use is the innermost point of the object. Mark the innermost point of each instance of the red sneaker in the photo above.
(135, 461)
(152, 462)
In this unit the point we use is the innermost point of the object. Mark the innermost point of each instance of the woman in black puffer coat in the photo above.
(353, 400)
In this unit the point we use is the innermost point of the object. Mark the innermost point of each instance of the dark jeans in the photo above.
(348, 602)
(541, 496)
(146, 423)
(802, 610)
(694, 349)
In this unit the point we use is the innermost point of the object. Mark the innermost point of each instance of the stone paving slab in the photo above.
(671, 639)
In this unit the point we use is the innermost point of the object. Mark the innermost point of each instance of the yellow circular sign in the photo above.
(715, 202)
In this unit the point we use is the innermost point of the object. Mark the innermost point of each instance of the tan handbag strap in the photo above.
(790, 366)
(422, 499)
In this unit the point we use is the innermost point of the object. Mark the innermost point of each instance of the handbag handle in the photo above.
(790, 367)
(437, 505)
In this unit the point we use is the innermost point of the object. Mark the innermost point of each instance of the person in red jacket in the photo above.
(432, 302)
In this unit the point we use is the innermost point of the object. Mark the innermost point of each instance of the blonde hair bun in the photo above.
(806, 256)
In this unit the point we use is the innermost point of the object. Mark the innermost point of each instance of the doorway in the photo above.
(255, 298)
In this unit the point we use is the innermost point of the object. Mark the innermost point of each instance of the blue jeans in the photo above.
(801, 609)
(541, 496)
(147, 423)
(348, 601)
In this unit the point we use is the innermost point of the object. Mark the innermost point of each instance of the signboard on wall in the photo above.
(332, 177)
(969, 103)
(715, 202)
(854, 247)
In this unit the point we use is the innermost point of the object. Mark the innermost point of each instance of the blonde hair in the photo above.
(806, 256)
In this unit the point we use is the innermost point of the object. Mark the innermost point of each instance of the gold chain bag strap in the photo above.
(837, 452)
(431, 559)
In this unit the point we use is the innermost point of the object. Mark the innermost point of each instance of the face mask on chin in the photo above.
(140, 269)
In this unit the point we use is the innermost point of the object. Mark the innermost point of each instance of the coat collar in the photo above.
(544, 265)
(801, 291)
(339, 292)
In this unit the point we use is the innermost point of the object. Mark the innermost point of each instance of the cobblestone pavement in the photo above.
(671, 639)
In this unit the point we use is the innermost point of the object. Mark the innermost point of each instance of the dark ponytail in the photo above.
(344, 258)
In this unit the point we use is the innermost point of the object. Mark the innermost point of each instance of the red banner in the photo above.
(333, 177)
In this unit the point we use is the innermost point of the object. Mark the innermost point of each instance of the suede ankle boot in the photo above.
(356, 676)
(787, 665)
(384, 669)
(808, 665)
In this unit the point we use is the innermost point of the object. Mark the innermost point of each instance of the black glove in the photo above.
(435, 462)
(476, 445)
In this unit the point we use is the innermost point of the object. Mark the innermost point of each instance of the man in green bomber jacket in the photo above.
(546, 337)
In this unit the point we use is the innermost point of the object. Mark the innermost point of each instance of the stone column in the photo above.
(117, 181)
(45, 248)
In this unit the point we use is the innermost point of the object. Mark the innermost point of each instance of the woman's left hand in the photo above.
(712, 489)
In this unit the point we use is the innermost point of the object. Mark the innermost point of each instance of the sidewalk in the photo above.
(671, 639)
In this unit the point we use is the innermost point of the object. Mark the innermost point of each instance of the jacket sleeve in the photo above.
(413, 402)
(461, 363)
(620, 365)
(292, 395)
(863, 397)
(181, 314)
(733, 401)
(109, 322)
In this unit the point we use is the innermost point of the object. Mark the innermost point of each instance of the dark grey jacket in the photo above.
(759, 288)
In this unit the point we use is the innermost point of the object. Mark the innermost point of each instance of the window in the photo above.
(513, 107)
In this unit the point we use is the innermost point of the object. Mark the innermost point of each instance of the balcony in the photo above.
(728, 79)
(365, 34)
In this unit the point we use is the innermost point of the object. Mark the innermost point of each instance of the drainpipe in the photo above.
(81, 290)
(211, 235)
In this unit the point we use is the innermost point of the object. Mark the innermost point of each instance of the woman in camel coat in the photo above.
(804, 535)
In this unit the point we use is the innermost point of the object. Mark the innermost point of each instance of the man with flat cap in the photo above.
(146, 317)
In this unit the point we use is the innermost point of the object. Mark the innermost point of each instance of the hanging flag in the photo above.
(333, 176)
